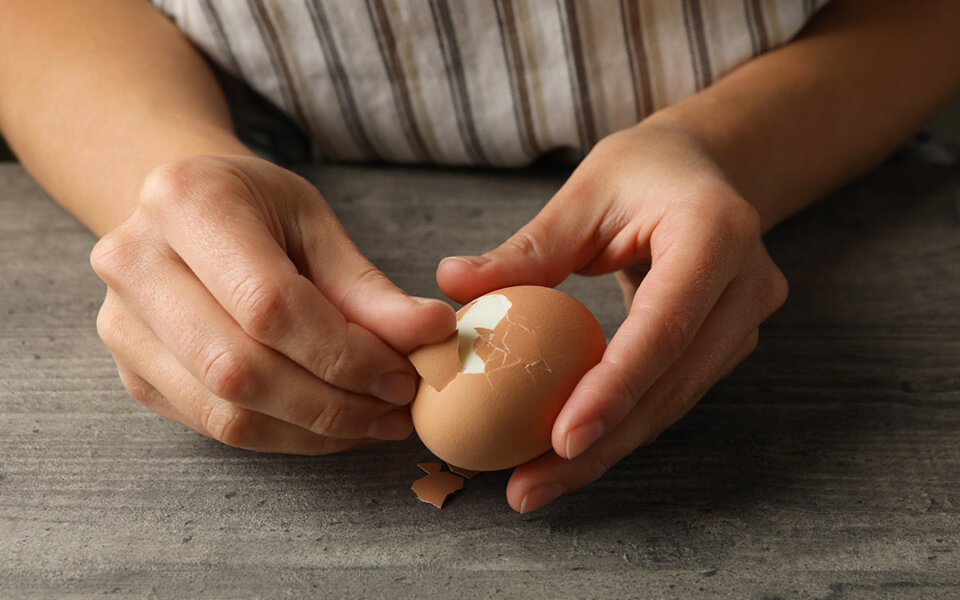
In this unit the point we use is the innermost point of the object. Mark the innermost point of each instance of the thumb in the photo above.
(561, 239)
(367, 297)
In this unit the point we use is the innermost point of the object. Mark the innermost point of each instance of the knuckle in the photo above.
(227, 374)
(175, 182)
(626, 388)
(137, 387)
(369, 276)
(770, 288)
(227, 424)
(675, 403)
(109, 324)
(523, 243)
(169, 182)
(672, 332)
(675, 331)
(777, 291)
(114, 254)
(260, 306)
(335, 367)
(682, 395)
(328, 420)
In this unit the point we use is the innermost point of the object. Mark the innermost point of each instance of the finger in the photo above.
(223, 237)
(363, 293)
(234, 367)
(742, 352)
(563, 237)
(232, 425)
(629, 279)
(544, 479)
(669, 308)
(151, 375)
(147, 395)
(712, 354)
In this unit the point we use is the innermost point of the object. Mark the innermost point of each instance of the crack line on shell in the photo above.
(489, 339)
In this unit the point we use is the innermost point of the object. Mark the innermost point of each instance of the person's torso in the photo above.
(485, 82)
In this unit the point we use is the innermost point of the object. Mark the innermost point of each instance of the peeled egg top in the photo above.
(490, 393)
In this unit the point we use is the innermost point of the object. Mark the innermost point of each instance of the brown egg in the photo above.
(491, 392)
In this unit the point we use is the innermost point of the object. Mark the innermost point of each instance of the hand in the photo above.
(649, 203)
(238, 306)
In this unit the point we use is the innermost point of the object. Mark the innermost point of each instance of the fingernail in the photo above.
(539, 496)
(394, 425)
(474, 261)
(581, 438)
(423, 300)
(394, 387)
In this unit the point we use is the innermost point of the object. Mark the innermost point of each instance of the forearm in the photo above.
(96, 94)
(797, 122)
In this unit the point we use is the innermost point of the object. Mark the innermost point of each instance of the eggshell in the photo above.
(491, 392)
(435, 486)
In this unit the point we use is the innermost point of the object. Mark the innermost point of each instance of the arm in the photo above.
(236, 304)
(677, 204)
(798, 122)
(99, 93)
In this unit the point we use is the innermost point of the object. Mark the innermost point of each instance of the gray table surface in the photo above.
(826, 466)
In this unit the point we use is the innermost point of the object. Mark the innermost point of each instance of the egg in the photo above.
(490, 393)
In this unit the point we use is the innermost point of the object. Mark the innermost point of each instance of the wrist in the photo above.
(177, 143)
(731, 143)
(692, 144)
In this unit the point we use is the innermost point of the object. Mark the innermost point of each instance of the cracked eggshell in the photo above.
(491, 392)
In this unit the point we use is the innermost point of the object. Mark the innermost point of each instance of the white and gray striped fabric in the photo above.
(479, 82)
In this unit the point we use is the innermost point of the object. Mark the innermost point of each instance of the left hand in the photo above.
(651, 204)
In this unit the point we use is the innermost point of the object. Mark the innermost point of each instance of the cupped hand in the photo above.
(238, 306)
(650, 204)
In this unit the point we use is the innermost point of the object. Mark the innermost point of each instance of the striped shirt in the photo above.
(479, 82)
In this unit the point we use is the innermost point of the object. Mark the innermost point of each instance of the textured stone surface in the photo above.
(826, 466)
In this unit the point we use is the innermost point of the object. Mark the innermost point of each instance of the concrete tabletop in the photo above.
(826, 466)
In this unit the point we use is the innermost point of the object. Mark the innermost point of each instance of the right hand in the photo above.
(238, 306)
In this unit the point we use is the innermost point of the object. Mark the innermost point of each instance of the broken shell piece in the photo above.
(465, 473)
(439, 363)
(435, 486)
